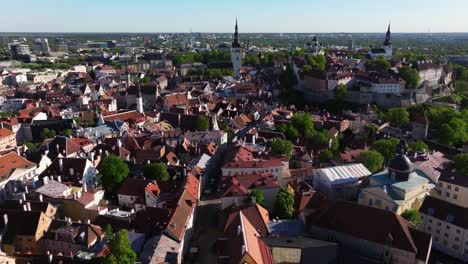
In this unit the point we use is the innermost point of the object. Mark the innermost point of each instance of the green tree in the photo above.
(68, 132)
(382, 64)
(145, 79)
(281, 147)
(318, 138)
(371, 159)
(386, 147)
(410, 75)
(418, 145)
(258, 195)
(461, 163)
(202, 123)
(6, 114)
(47, 133)
(325, 155)
(121, 251)
(306, 68)
(289, 131)
(113, 173)
(284, 204)
(156, 171)
(397, 116)
(303, 123)
(30, 145)
(339, 92)
(108, 230)
(412, 216)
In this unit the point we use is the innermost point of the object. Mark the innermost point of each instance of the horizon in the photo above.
(210, 16)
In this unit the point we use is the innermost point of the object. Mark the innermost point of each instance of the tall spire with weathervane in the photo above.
(236, 54)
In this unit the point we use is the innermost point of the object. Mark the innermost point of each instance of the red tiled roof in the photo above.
(4, 132)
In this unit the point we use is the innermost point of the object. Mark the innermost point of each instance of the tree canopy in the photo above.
(410, 75)
(202, 123)
(417, 145)
(371, 159)
(47, 133)
(281, 147)
(386, 147)
(461, 163)
(121, 251)
(284, 204)
(318, 62)
(258, 195)
(113, 172)
(412, 216)
(156, 171)
(339, 92)
(325, 155)
(397, 116)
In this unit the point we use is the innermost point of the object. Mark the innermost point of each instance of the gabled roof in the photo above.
(367, 223)
(11, 162)
(180, 217)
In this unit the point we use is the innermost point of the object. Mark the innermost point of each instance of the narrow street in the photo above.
(206, 232)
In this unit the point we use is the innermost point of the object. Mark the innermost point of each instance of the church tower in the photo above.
(236, 54)
(127, 73)
(388, 43)
(139, 101)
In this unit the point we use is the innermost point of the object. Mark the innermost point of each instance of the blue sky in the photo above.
(219, 15)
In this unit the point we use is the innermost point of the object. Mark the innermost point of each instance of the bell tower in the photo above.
(236, 53)
(388, 43)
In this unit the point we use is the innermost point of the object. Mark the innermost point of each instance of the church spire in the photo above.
(235, 43)
(388, 37)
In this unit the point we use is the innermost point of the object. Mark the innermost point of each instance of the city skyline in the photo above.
(254, 17)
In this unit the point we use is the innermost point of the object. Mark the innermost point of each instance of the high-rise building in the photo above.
(41, 45)
(19, 50)
(236, 54)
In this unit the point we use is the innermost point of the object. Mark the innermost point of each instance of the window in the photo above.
(447, 194)
(438, 231)
(429, 228)
(446, 235)
(430, 220)
(456, 189)
(455, 247)
(449, 186)
(455, 196)
(466, 251)
(439, 223)
(444, 242)
(458, 231)
(457, 239)
(441, 184)
(447, 227)
(371, 202)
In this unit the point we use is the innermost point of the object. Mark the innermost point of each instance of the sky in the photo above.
(219, 15)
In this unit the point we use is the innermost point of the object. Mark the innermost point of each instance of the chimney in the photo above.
(85, 187)
(60, 164)
(88, 221)
(45, 180)
(41, 198)
(23, 196)
(72, 171)
(25, 207)
(59, 178)
(28, 204)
